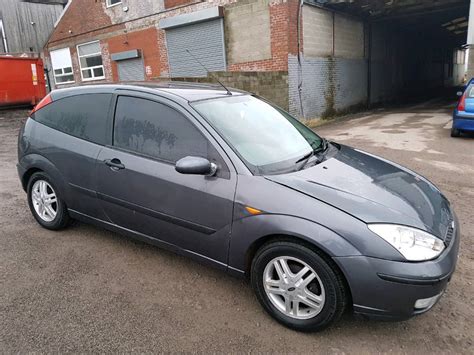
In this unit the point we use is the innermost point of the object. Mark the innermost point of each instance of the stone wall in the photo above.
(317, 32)
(348, 37)
(273, 86)
(247, 31)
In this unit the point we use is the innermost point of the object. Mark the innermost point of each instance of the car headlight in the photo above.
(412, 243)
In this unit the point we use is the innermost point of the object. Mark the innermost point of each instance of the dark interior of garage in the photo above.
(416, 48)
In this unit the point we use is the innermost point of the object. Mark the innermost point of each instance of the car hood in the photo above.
(373, 190)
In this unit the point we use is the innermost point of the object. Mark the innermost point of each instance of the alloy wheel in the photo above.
(44, 200)
(293, 287)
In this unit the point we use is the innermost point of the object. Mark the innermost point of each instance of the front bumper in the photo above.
(389, 290)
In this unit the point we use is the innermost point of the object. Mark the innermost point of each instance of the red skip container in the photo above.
(21, 81)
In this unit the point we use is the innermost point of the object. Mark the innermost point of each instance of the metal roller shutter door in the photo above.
(131, 70)
(205, 40)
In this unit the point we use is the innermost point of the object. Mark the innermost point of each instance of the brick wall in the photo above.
(273, 86)
(174, 3)
(161, 43)
(145, 40)
(106, 61)
(81, 17)
(138, 28)
(75, 64)
(136, 9)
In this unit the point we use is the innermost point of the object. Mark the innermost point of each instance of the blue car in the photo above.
(463, 115)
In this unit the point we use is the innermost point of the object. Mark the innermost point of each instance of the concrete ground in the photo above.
(88, 290)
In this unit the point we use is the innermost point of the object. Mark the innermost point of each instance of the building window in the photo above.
(110, 3)
(62, 66)
(90, 60)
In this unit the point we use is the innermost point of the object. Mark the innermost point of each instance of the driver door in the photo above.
(139, 188)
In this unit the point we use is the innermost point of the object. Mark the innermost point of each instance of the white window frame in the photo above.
(62, 69)
(91, 68)
(3, 36)
(63, 74)
(108, 4)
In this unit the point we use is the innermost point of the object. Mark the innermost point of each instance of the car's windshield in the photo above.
(268, 139)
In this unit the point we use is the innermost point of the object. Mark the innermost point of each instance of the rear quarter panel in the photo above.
(68, 160)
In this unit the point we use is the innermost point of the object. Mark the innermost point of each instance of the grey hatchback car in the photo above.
(235, 182)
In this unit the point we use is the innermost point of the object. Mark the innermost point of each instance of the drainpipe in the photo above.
(300, 67)
(369, 66)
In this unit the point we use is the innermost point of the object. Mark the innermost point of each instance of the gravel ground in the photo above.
(89, 290)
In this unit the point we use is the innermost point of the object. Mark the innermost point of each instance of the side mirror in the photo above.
(459, 93)
(195, 165)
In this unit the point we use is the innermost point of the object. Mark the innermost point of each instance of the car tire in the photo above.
(45, 204)
(288, 302)
(455, 132)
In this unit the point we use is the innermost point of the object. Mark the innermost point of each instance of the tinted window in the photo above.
(82, 116)
(156, 130)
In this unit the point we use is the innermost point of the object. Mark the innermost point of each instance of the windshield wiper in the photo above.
(305, 158)
(321, 148)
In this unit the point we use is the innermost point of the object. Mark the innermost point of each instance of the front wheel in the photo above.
(45, 204)
(299, 287)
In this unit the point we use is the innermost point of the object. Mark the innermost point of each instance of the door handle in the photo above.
(114, 164)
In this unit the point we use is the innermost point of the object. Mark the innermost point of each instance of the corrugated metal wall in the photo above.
(204, 40)
(17, 18)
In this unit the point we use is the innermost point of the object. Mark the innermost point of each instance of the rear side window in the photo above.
(82, 116)
(470, 91)
(156, 130)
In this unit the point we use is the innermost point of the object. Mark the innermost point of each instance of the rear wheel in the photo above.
(455, 132)
(299, 287)
(45, 204)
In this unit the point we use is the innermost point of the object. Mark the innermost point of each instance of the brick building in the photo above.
(310, 57)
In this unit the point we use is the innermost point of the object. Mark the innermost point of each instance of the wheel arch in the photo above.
(27, 176)
(33, 163)
(268, 239)
(251, 233)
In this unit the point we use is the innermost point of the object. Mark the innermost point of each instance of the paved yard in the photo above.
(86, 289)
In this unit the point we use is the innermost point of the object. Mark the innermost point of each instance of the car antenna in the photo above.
(208, 72)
